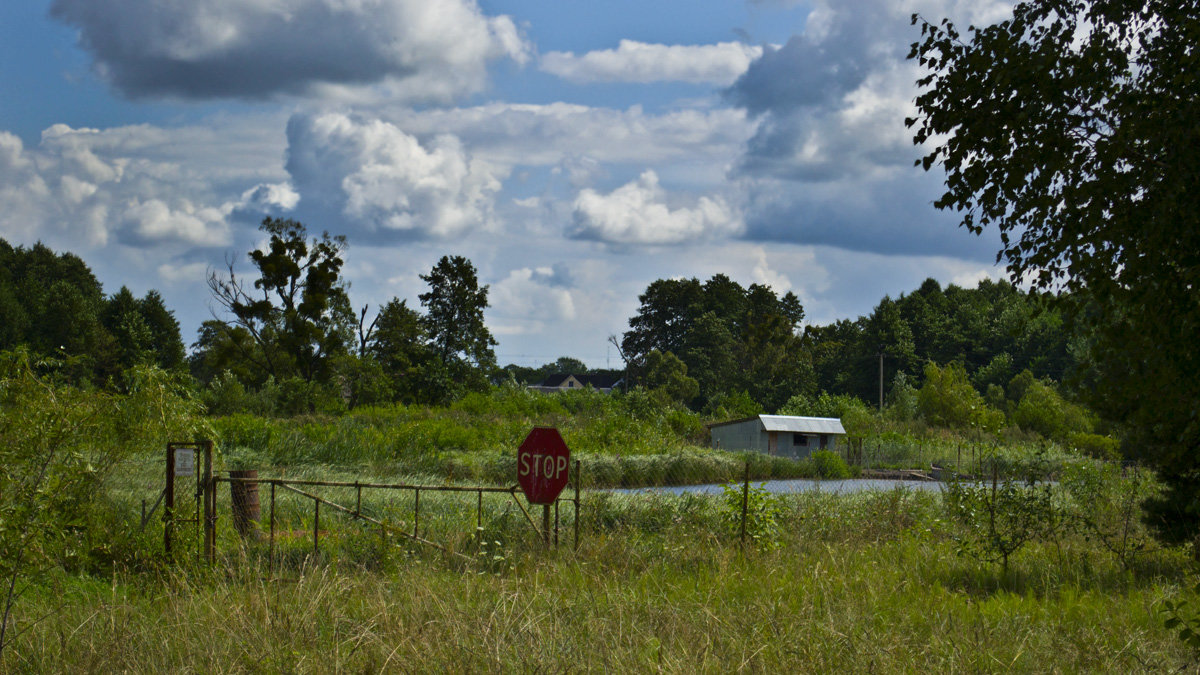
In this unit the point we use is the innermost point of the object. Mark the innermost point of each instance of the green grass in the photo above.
(866, 582)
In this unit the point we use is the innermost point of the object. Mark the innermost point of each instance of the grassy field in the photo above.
(869, 582)
(893, 581)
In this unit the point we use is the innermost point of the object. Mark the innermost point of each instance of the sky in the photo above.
(573, 151)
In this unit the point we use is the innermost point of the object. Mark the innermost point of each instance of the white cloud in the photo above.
(87, 187)
(388, 180)
(526, 134)
(257, 49)
(634, 61)
(268, 197)
(528, 301)
(186, 274)
(637, 213)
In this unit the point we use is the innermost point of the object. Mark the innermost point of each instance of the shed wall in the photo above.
(746, 435)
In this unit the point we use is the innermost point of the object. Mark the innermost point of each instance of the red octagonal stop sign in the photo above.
(542, 465)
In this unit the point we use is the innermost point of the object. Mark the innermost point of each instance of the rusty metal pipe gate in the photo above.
(181, 460)
(295, 485)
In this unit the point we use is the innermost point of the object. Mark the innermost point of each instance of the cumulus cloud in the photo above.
(270, 198)
(387, 180)
(634, 61)
(511, 133)
(637, 213)
(257, 49)
(830, 161)
(85, 186)
(530, 299)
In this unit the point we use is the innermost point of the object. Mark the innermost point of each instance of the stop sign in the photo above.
(542, 465)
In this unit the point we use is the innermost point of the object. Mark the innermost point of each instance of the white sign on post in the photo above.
(185, 462)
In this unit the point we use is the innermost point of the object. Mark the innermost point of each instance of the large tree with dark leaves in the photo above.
(453, 324)
(297, 310)
(1071, 127)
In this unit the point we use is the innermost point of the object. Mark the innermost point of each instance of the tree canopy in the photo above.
(1071, 127)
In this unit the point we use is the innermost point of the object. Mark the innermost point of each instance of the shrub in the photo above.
(1095, 446)
(830, 465)
(759, 521)
(996, 519)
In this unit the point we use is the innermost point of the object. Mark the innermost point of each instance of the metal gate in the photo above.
(189, 467)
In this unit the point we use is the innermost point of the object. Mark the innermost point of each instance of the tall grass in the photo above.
(861, 583)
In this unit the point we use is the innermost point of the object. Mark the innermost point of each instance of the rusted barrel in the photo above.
(244, 497)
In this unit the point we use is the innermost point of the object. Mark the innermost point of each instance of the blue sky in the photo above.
(573, 151)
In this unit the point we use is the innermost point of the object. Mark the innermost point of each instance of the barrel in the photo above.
(243, 494)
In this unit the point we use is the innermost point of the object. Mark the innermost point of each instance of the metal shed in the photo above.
(780, 435)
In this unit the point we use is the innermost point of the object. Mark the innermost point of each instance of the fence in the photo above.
(453, 518)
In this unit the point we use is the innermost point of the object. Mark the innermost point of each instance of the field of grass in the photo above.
(889, 581)
(868, 582)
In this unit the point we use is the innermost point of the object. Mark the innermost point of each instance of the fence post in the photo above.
(210, 505)
(577, 477)
(745, 500)
(271, 548)
(316, 526)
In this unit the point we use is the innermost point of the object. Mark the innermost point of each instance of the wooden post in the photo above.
(745, 500)
(271, 547)
(546, 525)
(210, 505)
(169, 506)
(316, 526)
(577, 477)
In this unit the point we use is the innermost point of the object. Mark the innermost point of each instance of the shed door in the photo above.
(772, 442)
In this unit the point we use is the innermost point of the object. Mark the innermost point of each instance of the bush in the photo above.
(829, 465)
(1095, 446)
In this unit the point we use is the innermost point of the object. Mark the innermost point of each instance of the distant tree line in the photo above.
(52, 305)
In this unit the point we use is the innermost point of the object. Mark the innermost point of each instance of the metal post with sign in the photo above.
(181, 463)
(543, 469)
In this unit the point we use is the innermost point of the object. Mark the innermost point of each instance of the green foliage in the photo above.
(759, 520)
(296, 313)
(454, 313)
(903, 401)
(1106, 503)
(948, 399)
(53, 305)
(666, 376)
(729, 338)
(732, 405)
(1043, 410)
(1095, 446)
(1181, 616)
(1070, 129)
(829, 465)
(58, 445)
(997, 518)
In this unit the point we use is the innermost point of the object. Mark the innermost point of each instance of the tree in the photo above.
(399, 345)
(1071, 128)
(454, 321)
(297, 311)
(667, 377)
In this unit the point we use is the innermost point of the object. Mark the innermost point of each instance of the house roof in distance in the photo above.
(794, 424)
(598, 381)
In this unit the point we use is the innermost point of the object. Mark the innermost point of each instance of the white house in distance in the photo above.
(568, 382)
(780, 435)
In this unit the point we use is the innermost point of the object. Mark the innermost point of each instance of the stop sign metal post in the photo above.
(543, 468)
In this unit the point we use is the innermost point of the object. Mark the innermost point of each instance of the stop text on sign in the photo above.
(542, 466)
